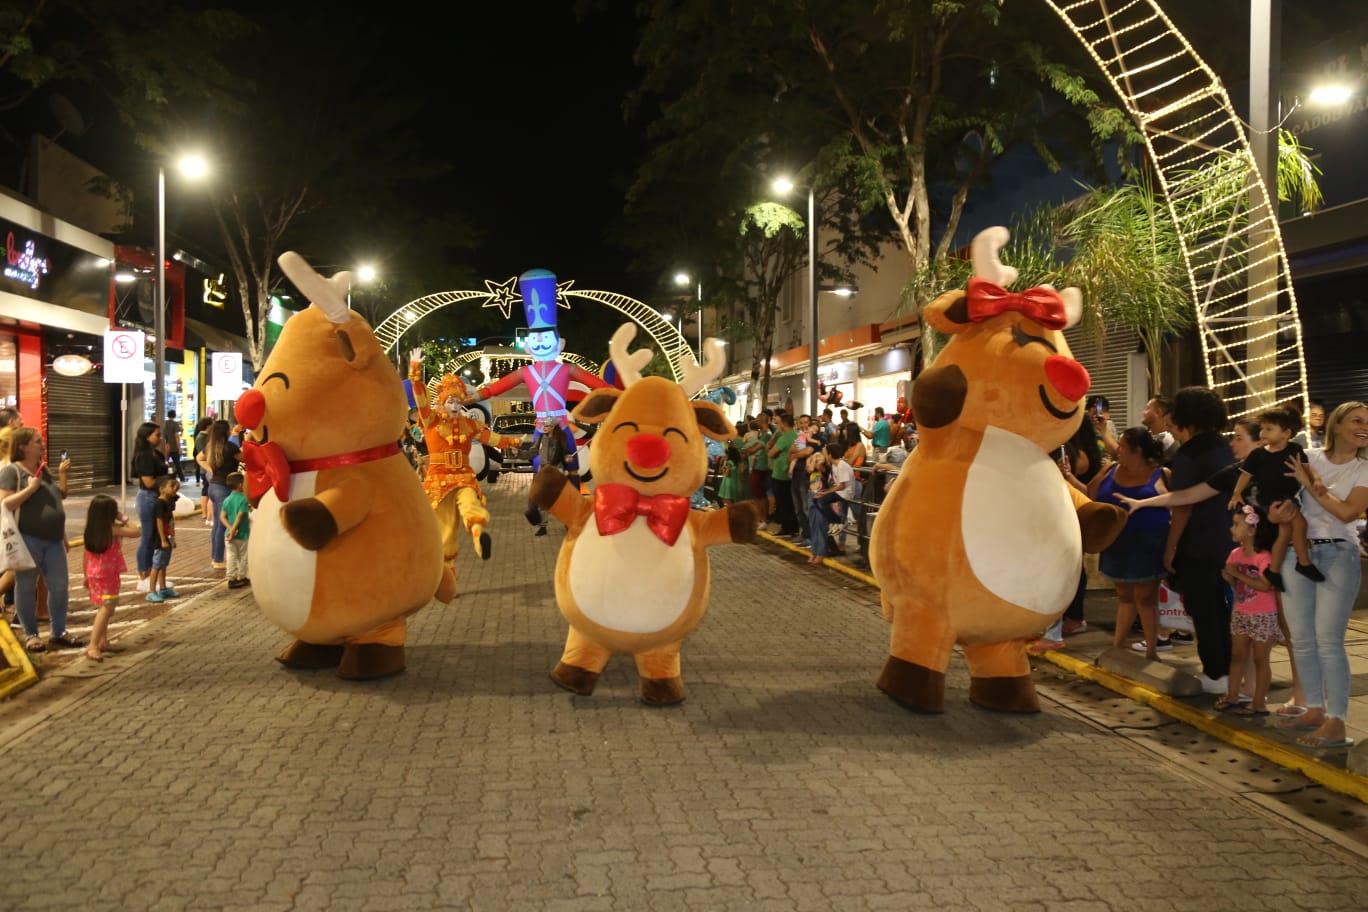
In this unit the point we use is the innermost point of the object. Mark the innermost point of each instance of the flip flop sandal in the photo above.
(1316, 741)
(1247, 711)
(1224, 705)
(33, 644)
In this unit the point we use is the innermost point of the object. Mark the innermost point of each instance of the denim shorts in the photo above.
(161, 558)
(1137, 556)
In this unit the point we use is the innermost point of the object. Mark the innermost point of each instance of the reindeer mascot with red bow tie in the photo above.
(633, 575)
(980, 541)
(344, 544)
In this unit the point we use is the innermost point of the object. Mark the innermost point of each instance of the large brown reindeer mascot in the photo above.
(632, 575)
(344, 545)
(980, 541)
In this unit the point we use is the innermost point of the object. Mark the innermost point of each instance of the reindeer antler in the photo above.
(628, 365)
(328, 295)
(697, 376)
(983, 250)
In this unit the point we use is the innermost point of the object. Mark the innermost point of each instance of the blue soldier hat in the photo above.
(538, 288)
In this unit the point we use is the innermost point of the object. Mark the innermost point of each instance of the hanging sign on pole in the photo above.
(227, 375)
(124, 353)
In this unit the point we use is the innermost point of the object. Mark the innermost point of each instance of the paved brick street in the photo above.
(193, 772)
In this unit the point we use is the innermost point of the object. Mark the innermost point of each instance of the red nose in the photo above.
(649, 451)
(250, 408)
(1064, 374)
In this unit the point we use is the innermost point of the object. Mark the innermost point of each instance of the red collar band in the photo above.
(345, 459)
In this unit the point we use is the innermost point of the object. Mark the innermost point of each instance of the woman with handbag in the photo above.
(29, 491)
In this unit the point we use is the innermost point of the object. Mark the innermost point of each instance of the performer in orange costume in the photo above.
(450, 483)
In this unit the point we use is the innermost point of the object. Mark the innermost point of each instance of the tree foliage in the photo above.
(904, 105)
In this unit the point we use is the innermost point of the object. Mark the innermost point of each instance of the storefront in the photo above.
(884, 377)
(54, 300)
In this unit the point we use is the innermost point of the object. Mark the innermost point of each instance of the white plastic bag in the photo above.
(14, 554)
(1172, 614)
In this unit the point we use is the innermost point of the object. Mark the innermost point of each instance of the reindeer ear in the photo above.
(596, 406)
(712, 420)
(949, 313)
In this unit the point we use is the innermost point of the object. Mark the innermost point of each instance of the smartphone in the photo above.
(63, 457)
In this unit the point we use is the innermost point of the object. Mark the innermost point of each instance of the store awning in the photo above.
(199, 334)
(27, 310)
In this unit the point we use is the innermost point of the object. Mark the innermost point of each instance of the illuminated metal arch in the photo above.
(1242, 288)
(501, 294)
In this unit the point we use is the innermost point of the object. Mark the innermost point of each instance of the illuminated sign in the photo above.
(72, 365)
(24, 265)
(215, 291)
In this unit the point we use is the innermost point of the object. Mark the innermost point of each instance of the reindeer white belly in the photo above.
(282, 571)
(632, 581)
(1021, 530)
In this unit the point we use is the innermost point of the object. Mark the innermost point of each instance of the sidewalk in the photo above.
(194, 772)
(1165, 685)
(190, 574)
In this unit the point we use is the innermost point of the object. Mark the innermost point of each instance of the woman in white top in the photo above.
(1336, 483)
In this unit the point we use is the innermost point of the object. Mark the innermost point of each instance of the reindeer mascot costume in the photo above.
(632, 575)
(980, 541)
(344, 545)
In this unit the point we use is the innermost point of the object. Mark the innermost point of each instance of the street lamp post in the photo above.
(784, 185)
(683, 280)
(190, 166)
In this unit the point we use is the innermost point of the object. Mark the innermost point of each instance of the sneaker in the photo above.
(1074, 627)
(1182, 637)
(144, 585)
(155, 597)
(170, 594)
(1163, 644)
(1214, 685)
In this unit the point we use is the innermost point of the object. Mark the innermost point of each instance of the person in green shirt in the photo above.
(237, 527)
(778, 452)
(760, 467)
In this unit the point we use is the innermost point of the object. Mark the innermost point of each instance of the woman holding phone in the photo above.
(27, 488)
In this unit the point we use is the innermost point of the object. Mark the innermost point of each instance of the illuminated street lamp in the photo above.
(784, 185)
(193, 167)
(684, 280)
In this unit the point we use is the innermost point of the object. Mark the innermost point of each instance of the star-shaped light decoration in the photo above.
(502, 295)
(561, 289)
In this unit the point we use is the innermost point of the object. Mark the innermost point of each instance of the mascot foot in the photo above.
(532, 515)
(1016, 694)
(662, 691)
(310, 656)
(484, 545)
(914, 686)
(574, 679)
(368, 661)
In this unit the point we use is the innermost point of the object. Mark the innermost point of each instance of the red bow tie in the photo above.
(267, 467)
(1044, 305)
(617, 506)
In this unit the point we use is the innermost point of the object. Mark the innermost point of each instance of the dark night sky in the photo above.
(530, 107)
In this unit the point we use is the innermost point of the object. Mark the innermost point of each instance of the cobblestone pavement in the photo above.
(193, 772)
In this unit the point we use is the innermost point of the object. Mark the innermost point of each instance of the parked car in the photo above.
(518, 458)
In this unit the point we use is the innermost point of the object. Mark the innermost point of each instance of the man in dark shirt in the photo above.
(1199, 536)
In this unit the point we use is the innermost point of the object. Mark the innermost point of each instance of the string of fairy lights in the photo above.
(1240, 281)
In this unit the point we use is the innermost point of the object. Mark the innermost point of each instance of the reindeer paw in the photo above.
(309, 523)
(546, 487)
(744, 518)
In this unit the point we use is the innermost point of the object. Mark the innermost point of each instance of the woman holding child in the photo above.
(1335, 480)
